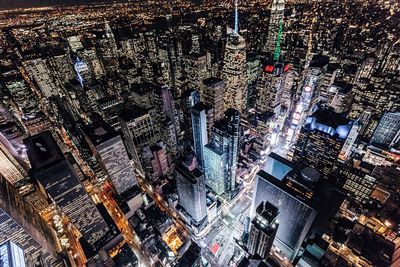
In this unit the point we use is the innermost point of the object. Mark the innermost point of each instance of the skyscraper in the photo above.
(11, 231)
(296, 213)
(199, 128)
(263, 230)
(10, 167)
(58, 180)
(321, 139)
(305, 201)
(387, 133)
(11, 255)
(234, 72)
(275, 23)
(191, 190)
(270, 86)
(350, 140)
(214, 95)
(108, 147)
(222, 154)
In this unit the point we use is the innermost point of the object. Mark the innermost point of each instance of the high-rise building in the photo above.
(199, 128)
(270, 86)
(138, 131)
(222, 153)
(350, 141)
(11, 231)
(195, 70)
(38, 71)
(58, 180)
(296, 213)
(275, 23)
(387, 133)
(234, 72)
(108, 49)
(263, 230)
(22, 205)
(10, 167)
(157, 159)
(11, 255)
(192, 192)
(167, 118)
(214, 95)
(340, 96)
(305, 202)
(321, 139)
(109, 148)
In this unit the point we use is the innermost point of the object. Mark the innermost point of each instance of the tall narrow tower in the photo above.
(234, 69)
(275, 27)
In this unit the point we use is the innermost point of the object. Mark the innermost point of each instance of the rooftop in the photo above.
(134, 112)
(144, 88)
(99, 131)
(43, 151)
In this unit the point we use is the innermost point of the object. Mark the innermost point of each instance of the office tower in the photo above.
(11, 255)
(21, 93)
(214, 95)
(157, 159)
(21, 210)
(75, 43)
(199, 129)
(275, 24)
(263, 230)
(138, 128)
(109, 107)
(165, 75)
(192, 192)
(350, 141)
(108, 49)
(90, 56)
(253, 66)
(358, 183)
(340, 96)
(234, 72)
(270, 86)
(296, 212)
(142, 94)
(387, 133)
(321, 139)
(195, 44)
(391, 63)
(39, 71)
(195, 70)
(167, 118)
(108, 147)
(222, 153)
(305, 201)
(10, 167)
(61, 63)
(59, 181)
(12, 232)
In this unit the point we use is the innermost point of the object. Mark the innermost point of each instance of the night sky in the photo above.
(8, 4)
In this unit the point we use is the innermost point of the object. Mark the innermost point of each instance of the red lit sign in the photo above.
(287, 67)
(269, 68)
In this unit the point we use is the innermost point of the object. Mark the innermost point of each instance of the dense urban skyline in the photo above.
(200, 133)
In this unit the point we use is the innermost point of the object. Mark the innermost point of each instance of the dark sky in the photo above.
(8, 4)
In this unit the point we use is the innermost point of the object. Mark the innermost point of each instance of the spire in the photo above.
(236, 18)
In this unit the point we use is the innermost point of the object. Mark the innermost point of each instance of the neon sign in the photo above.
(287, 67)
(269, 68)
